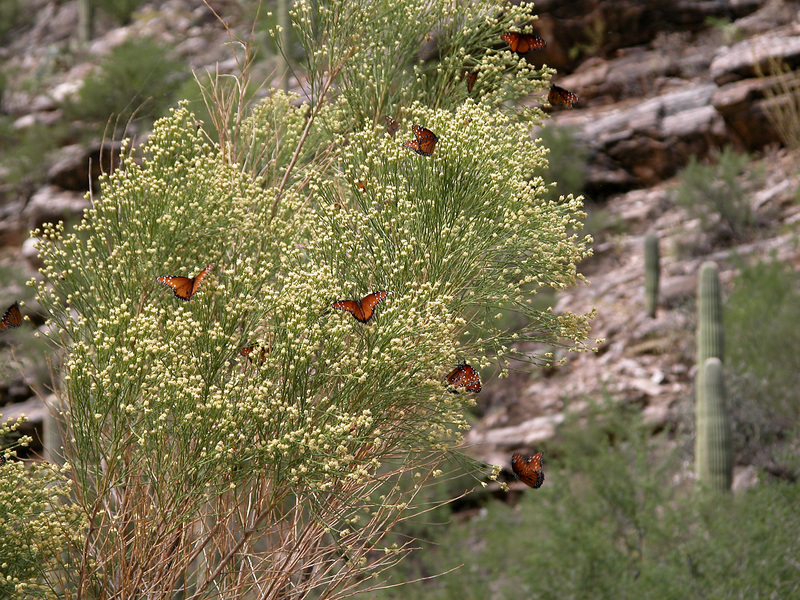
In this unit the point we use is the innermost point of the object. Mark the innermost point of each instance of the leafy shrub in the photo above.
(566, 161)
(137, 77)
(120, 10)
(612, 520)
(763, 362)
(717, 195)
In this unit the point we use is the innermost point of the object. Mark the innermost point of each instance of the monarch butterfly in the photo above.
(391, 126)
(184, 287)
(11, 318)
(250, 349)
(528, 470)
(361, 185)
(425, 141)
(362, 309)
(559, 95)
(523, 42)
(464, 376)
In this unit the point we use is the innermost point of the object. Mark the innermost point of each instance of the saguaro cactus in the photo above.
(710, 331)
(713, 447)
(651, 273)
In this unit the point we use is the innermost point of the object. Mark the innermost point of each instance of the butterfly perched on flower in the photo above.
(470, 77)
(424, 142)
(559, 95)
(523, 42)
(528, 470)
(184, 287)
(464, 376)
(391, 125)
(362, 309)
(11, 318)
(248, 352)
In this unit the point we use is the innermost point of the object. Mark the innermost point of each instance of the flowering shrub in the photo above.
(279, 473)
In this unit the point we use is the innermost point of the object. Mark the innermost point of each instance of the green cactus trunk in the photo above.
(651, 273)
(710, 331)
(713, 447)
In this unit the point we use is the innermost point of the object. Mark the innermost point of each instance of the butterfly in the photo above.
(425, 141)
(250, 349)
(184, 287)
(362, 309)
(523, 42)
(559, 95)
(464, 376)
(470, 77)
(528, 470)
(11, 318)
(391, 126)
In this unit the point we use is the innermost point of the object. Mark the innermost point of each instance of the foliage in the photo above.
(612, 520)
(566, 161)
(764, 360)
(717, 195)
(136, 78)
(35, 523)
(120, 10)
(22, 151)
(783, 108)
(200, 470)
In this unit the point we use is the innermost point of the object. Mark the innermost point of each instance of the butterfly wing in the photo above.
(391, 126)
(528, 471)
(465, 376)
(362, 309)
(559, 95)
(425, 141)
(11, 318)
(250, 349)
(184, 287)
(523, 42)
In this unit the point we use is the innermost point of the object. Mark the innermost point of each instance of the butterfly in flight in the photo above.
(391, 126)
(248, 351)
(425, 141)
(523, 42)
(11, 318)
(464, 376)
(528, 470)
(559, 95)
(184, 287)
(362, 309)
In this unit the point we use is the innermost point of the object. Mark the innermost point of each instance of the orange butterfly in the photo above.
(362, 309)
(391, 126)
(11, 318)
(425, 141)
(464, 376)
(250, 349)
(559, 95)
(184, 287)
(528, 471)
(523, 42)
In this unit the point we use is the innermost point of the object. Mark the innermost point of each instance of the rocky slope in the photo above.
(658, 83)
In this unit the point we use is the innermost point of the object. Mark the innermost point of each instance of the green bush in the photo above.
(718, 194)
(120, 10)
(764, 360)
(566, 161)
(137, 77)
(612, 520)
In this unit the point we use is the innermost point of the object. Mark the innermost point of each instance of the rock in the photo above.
(528, 433)
(72, 168)
(51, 204)
(754, 56)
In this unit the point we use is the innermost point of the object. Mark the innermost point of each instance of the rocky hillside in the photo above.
(658, 83)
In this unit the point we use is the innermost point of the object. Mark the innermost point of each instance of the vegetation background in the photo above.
(301, 200)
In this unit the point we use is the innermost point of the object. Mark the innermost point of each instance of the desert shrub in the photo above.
(717, 194)
(566, 161)
(137, 77)
(612, 520)
(203, 471)
(762, 362)
(120, 10)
